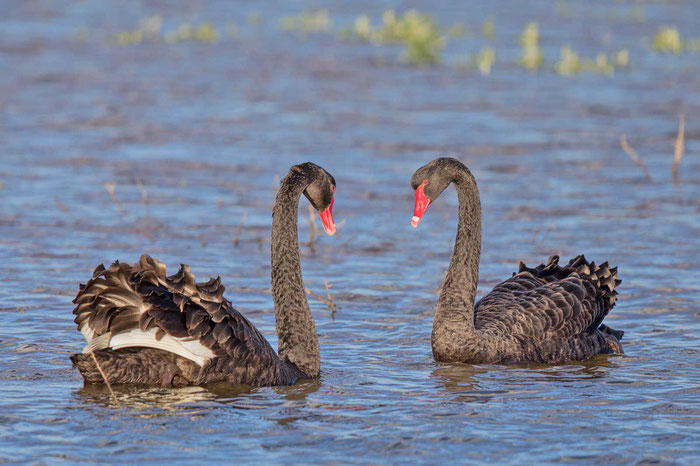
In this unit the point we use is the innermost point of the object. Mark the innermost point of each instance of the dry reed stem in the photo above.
(144, 196)
(534, 235)
(634, 156)
(237, 239)
(678, 146)
(110, 189)
(328, 302)
(104, 377)
(328, 293)
(549, 229)
(60, 204)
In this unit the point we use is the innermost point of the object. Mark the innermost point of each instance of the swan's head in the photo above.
(430, 180)
(320, 193)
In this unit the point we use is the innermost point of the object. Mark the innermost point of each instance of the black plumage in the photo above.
(546, 314)
(141, 297)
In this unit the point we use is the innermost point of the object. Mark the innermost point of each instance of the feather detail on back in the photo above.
(550, 302)
(139, 306)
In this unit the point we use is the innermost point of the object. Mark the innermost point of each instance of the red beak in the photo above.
(421, 205)
(327, 219)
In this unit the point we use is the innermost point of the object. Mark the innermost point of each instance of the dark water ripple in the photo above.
(209, 129)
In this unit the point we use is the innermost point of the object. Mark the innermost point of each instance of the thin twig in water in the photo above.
(144, 196)
(110, 189)
(678, 152)
(104, 377)
(328, 302)
(534, 235)
(633, 155)
(551, 227)
(60, 204)
(237, 239)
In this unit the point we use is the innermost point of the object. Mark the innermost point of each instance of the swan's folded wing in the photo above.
(129, 306)
(550, 301)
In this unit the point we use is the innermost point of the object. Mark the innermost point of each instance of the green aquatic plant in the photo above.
(308, 22)
(602, 65)
(363, 27)
(622, 58)
(531, 57)
(485, 60)
(668, 40)
(481, 61)
(148, 31)
(488, 28)
(185, 32)
(569, 63)
(458, 31)
(418, 32)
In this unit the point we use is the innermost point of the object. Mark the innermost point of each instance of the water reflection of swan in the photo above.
(174, 400)
(459, 381)
(163, 399)
(546, 314)
(147, 328)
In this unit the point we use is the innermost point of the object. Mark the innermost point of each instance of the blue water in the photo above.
(209, 128)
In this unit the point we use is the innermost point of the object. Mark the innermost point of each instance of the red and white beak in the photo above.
(327, 219)
(421, 205)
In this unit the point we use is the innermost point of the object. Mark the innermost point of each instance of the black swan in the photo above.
(146, 328)
(547, 314)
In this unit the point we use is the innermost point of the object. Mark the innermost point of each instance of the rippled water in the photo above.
(208, 129)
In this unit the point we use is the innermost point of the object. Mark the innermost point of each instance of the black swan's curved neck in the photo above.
(454, 315)
(296, 332)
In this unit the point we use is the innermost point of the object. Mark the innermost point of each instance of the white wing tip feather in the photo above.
(187, 348)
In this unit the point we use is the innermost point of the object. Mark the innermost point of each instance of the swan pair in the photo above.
(144, 327)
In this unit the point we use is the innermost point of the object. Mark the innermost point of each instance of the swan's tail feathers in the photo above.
(603, 277)
(115, 299)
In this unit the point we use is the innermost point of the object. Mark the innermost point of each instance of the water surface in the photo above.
(208, 130)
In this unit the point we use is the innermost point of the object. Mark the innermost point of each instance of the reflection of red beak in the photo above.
(327, 219)
(421, 205)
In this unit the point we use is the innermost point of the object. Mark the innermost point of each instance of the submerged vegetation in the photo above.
(416, 31)
(310, 21)
(422, 38)
(531, 57)
(570, 64)
(668, 40)
(151, 30)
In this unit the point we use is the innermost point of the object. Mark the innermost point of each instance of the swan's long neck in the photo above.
(296, 332)
(454, 315)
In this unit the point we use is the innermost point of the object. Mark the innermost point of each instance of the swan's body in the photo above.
(548, 314)
(147, 328)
